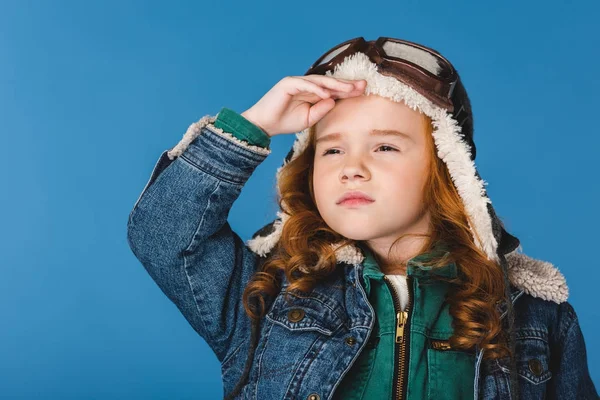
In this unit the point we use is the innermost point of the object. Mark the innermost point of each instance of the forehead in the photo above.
(369, 116)
(324, 137)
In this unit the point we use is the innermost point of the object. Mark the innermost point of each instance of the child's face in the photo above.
(394, 177)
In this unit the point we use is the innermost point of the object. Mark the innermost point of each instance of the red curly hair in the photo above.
(306, 242)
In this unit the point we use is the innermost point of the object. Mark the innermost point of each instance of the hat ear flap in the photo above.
(463, 115)
(506, 242)
(266, 230)
(289, 156)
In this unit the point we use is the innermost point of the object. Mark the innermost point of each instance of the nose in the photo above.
(353, 169)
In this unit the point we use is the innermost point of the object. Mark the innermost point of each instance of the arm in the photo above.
(570, 375)
(179, 232)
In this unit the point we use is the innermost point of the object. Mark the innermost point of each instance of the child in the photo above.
(386, 274)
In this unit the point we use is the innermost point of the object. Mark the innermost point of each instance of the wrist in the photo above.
(246, 114)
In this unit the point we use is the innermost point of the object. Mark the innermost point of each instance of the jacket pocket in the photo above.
(298, 314)
(533, 356)
(532, 359)
(451, 372)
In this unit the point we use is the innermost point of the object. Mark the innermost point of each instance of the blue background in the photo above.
(92, 93)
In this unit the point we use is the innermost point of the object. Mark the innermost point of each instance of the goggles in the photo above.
(422, 68)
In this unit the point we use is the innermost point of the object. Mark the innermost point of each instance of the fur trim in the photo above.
(537, 278)
(190, 134)
(262, 245)
(208, 121)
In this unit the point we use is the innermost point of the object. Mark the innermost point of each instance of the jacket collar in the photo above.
(417, 267)
(528, 275)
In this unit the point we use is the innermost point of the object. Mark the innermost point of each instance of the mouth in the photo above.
(355, 202)
(355, 197)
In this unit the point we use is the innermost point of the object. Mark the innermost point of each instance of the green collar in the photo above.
(416, 266)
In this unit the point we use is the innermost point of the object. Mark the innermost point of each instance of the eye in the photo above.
(389, 147)
(328, 151)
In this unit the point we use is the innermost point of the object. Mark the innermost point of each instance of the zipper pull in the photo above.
(402, 317)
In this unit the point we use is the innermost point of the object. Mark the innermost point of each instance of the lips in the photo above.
(355, 195)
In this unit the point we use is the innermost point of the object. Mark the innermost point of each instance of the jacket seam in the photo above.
(211, 173)
(316, 298)
(185, 267)
(568, 330)
(263, 151)
(543, 339)
(336, 385)
(306, 366)
(570, 325)
(262, 354)
(230, 356)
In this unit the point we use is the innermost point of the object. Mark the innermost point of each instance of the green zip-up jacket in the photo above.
(431, 369)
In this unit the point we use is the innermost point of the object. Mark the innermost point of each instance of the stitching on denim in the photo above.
(506, 378)
(262, 353)
(211, 173)
(307, 366)
(370, 327)
(231, 355)
(185, 267)
(232, 138)
(303, 327)
(574, 319)
(319, 298)
(542, 378)
(532, 338)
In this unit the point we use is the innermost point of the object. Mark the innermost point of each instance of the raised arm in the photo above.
(178, 227)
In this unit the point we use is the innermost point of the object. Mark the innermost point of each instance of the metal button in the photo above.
(536, 367)
(351, 340)
(296, 314)
(313, 396)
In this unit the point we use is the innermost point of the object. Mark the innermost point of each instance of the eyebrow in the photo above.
(374, 132)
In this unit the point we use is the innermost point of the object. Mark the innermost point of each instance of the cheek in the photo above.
(407, 182)
(321, 186)
(326, 190)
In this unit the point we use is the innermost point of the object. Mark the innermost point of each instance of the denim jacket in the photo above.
(179, 232)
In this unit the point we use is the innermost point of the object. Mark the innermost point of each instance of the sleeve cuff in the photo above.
(234, 123)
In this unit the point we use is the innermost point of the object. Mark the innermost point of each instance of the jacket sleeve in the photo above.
(179, 232)
(570, 375)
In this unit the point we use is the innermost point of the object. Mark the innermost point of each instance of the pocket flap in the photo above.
(304, 314)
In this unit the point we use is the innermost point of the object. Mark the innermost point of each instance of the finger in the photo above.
(309, 97)
(354, 82)
(330, 82)
(356, 92)
(319, 110)
(297, 86)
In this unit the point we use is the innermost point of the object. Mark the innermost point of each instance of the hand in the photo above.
(298, 102)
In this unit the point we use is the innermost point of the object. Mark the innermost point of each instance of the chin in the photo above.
(354, 234)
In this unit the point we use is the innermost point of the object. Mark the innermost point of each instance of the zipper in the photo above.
(401, 348)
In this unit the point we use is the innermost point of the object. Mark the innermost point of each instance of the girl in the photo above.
(386, 274)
